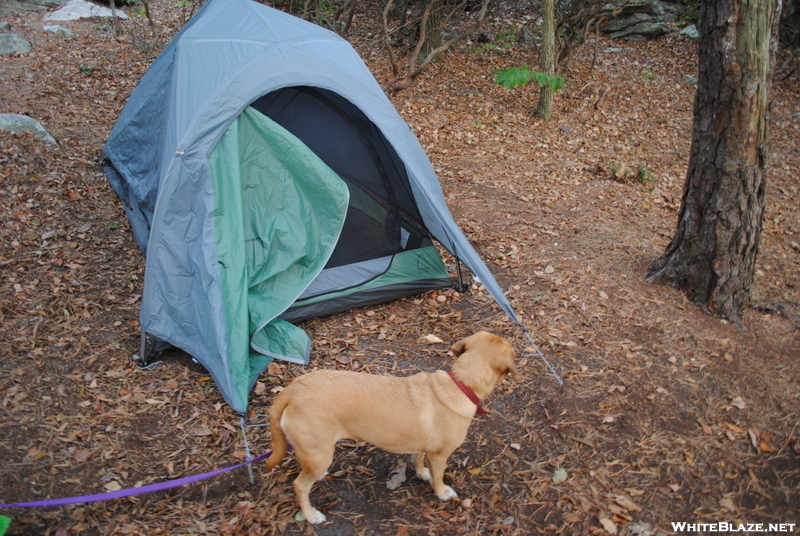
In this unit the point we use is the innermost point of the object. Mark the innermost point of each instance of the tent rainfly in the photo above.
(269, 179)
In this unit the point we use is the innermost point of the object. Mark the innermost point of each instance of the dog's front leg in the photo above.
(437, 464)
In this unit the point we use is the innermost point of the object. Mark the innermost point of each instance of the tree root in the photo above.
(771, 307)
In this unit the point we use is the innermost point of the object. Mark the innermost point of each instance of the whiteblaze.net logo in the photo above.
(734, 527)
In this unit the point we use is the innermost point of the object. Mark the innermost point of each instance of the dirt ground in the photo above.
(666, 415)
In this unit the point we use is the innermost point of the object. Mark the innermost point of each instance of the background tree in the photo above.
(713, 253)
(431, 13)
(547, 59)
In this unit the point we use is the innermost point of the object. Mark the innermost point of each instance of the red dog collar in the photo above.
(469, 392)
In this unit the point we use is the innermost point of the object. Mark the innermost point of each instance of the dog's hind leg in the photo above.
(418, 460)
(314, 463)
(437, 464)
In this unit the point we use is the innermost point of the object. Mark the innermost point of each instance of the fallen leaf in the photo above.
(113, 486)
(398, 476)
(735, 428)
(728, 505)
(172, 383)
(81, 455)
(274, 369)
(609, 525)
(202, 431)
(765, 448)
(626, 503)
(739, 402)
(753, 437)
(559, 476)
(432, 339)
(260, 388)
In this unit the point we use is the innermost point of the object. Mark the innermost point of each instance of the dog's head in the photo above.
(483, 360)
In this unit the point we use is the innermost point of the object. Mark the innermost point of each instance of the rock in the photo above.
(639, 20)
(80, 9)
(20, 124)
(13, 44)
(690, 79)
(690, 31)
(642, 31)
(59, 30)
(8, 7)
(526, 36)
(5, 25)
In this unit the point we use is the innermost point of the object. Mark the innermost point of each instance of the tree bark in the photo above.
(433, 25)
(547, 60)
(713, 253)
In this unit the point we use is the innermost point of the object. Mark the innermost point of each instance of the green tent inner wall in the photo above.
(278, 214)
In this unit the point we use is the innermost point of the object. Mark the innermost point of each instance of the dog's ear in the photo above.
(459, 347)
(505, 360)
(512, 369)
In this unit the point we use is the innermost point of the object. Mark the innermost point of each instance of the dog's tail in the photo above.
(279, 443)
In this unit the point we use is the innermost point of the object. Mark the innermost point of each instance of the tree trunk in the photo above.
(433, 26)
(712, 255)
(547, 60)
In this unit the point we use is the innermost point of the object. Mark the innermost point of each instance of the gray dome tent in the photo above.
(269, 179)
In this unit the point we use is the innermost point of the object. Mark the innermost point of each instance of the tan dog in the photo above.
(426, 414)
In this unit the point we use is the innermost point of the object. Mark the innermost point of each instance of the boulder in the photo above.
(639, 20)
(80, 9)
(8, 7)
(20, 124)
(11, 43)
(59, 30)
(642, 31)
(690, 31)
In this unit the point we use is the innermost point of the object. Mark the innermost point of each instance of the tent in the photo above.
(269, 179)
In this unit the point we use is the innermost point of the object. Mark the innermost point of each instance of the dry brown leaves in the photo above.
(666, 414)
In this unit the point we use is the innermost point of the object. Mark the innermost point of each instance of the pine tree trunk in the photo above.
(713, 253)
(547, 60)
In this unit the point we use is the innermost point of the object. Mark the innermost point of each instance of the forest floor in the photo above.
(667, 414)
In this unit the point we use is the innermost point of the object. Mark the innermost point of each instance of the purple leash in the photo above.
(110, 495)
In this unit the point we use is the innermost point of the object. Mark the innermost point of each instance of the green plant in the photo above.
(645, 176)
(691, 10)
(648, 76)
(503, 41)
(514, 77)
(86, 70)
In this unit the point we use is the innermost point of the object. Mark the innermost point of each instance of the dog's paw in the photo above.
(424, 474)
(315, 517)
(447, 494)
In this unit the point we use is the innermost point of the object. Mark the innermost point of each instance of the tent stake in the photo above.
(247, 449)
(141, 358)
(461, 287)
